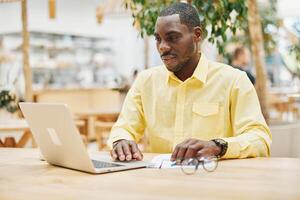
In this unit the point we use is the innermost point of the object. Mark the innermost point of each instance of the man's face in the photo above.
(175, 42)
(245, 58)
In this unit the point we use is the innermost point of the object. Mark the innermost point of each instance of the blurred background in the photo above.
(87, 53)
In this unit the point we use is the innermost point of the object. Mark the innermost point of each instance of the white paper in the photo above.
(163, 162)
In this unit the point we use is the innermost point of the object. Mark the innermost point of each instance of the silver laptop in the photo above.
(60, 143)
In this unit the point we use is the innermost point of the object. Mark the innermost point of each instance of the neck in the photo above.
(237, 63)
(189, 68)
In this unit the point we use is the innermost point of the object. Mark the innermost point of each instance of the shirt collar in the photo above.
(200, 72)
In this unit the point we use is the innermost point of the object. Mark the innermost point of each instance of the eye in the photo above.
(157, 38)
(173, 38)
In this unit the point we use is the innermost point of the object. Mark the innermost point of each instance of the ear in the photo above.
(197, 33)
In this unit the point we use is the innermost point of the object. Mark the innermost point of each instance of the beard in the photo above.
(183, 60)
(180, 66)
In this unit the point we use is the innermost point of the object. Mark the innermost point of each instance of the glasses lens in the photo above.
(210, 164)
(189, 166)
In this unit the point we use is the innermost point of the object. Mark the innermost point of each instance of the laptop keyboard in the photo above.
(101, 164)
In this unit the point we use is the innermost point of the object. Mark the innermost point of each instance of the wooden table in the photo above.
(24, 176)
(17, 125)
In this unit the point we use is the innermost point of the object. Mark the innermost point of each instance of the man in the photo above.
(191, 106)
(241, 60)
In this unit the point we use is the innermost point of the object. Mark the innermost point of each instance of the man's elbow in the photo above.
(263, 148)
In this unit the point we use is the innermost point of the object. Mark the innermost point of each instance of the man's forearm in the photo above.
(255, 143)
(118, 134)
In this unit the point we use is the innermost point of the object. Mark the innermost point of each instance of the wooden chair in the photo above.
(102, 133)
(16, 125)
(285, 107)
(20, 125)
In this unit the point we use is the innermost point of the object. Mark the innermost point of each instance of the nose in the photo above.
(163, 47)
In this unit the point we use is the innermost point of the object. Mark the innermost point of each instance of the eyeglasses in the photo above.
(190, 166)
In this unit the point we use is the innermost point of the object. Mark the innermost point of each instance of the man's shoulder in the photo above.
(226, 71)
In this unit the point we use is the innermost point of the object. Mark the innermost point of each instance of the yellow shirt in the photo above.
(217, 101)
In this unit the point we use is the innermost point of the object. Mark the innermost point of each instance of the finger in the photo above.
(192, 150)
(113, 154)
(127, 151)
(175, 152)
(174, 156)
(119, 150)
(181, 152)
(203, 153)
(137, 154)
(185, 147)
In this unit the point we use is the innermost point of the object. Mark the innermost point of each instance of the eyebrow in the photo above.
(169, 33)
(173, 32)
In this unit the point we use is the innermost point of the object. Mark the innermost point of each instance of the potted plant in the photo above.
(8, 103)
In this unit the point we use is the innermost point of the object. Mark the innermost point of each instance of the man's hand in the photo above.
(194, 148)
(126, 150)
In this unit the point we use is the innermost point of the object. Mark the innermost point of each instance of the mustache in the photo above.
(167, 54)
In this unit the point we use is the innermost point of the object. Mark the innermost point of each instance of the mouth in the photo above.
(168, 59)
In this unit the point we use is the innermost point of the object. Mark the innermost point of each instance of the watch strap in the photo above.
(223, 145)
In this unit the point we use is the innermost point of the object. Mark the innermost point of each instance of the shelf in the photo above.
(66, 59)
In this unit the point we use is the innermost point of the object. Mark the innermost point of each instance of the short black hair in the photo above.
(188, 14)
(238, 51)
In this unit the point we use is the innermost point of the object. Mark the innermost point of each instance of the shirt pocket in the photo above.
(207, 120)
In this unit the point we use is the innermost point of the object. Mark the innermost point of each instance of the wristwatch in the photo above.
(222, 144)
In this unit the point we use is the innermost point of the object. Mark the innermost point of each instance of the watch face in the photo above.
(222, 144)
